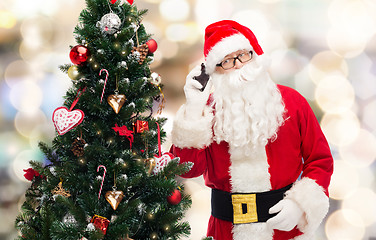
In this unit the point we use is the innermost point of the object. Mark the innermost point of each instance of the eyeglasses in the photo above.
(230, 62)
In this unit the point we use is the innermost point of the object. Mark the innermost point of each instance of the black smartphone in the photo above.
(203, 78)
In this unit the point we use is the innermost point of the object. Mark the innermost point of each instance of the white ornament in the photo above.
(124, 176)
(52, 170)
(109, 23)
(123, 64)
(155, 78)
(69, 219)
(161, 162)
(90, 227)
(64, 120)
(119, 161)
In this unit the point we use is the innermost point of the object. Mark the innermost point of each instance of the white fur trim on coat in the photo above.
(224, 47)
(312, 199)
(249, 173)
(255, 231)
(192, 133)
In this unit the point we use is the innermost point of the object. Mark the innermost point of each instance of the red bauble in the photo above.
(175, 197)
(100, 223)
(79, 54)
(152, 45)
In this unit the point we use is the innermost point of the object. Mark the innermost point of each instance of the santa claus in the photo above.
(258, 145)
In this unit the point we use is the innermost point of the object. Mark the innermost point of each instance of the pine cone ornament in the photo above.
(143, 50)
(78, 146)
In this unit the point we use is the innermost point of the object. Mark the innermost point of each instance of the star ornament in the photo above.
(59, 190)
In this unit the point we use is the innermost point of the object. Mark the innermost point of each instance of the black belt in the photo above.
(245, 207)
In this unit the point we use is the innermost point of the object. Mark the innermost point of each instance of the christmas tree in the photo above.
(105, 176)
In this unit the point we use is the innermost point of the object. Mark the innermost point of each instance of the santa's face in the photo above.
(233, 61)
(248, 104)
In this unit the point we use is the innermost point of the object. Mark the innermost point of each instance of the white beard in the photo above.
(248, 107)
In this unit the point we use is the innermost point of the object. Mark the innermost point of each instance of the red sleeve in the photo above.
(196, 156)
(318, 161)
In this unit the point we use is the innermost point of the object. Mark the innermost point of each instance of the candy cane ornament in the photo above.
(161, 160)
(104, 174)
(105, 81)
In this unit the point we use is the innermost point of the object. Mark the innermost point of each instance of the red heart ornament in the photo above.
(161, 162)
(64, 120)
(129, 1)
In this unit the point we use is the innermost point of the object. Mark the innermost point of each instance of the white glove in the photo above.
(195, 99)
(289, 214)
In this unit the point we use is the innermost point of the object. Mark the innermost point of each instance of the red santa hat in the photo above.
(225, 37)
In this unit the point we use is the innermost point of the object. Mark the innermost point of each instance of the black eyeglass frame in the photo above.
(237, 57)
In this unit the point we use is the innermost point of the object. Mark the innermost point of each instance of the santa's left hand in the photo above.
(289, 214)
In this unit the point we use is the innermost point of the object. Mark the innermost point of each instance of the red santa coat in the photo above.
(300, 148)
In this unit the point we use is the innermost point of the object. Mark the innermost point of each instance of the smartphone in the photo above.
(203, 78)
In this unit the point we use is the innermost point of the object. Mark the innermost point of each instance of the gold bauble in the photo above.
(73, 72)
(150, 165)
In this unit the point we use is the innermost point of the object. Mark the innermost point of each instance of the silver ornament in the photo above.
(109, 23)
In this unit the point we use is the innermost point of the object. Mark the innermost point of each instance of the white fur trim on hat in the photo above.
(313, 201)
(188, 133)
(224, 47)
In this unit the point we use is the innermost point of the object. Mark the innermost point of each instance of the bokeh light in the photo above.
(209, 11)
(337, 227)
(7, 19)
(345, 180)
(362, 151)
(26, 8)
(168, 49)
(26, 96)
(361, 201)
(369, 116)
(15, 72)
(10, 146)
(334, 94)
(21, 162)
(187, 33)
(326, 63)
(26, 122)
(174, 10)
(353, 24)
(198, 215)
(37, 33)
(352, 47)
(256, 21)
(340, 129)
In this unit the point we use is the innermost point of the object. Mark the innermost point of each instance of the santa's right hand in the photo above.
(192, 90)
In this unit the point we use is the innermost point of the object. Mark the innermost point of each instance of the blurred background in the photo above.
(324, 49)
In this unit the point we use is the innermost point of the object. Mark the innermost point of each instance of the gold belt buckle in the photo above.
(250, 213)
